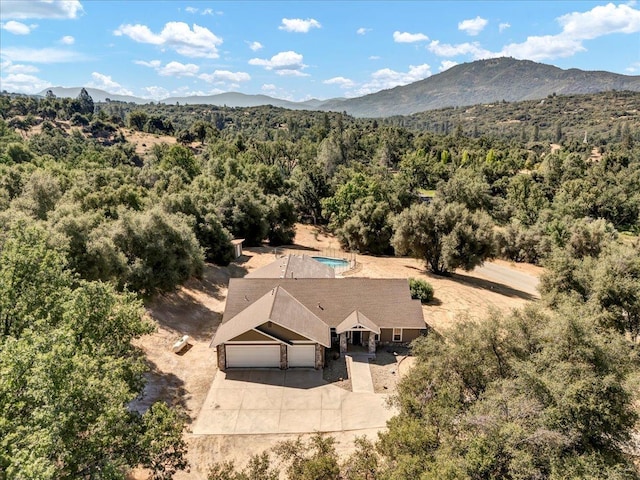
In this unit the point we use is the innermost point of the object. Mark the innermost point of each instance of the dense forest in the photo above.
(90, 228)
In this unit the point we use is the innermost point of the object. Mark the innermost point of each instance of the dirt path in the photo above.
(196, 310)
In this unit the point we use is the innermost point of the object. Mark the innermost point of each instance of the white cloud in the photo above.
(41, 9)
(191, 10)
(17, 28)
(67, 40)
(374, 57)
(196, 42)
(387, 78)
(23, 83)
(503, 26)
(545, 47)
(155, 92)
(446, 65)
(187, 92)
(405, 37)
(171, 69)
(299, 25)
(342, 82)
(599, 21)
(177, 69)
(473, 26)
(222, 76)
(577, 27)
(283, 63)
(43, 55)
(151, 64)
(255, 46)
(268, 87)
(105, 82)
(633, 68)
(363, 31)
(447, 50)
(6, 66)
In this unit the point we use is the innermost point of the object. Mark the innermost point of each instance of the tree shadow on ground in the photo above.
(181, 314)
(294, 246)
(434, 302)
(481, 283)
(388, 354)
(160, 387)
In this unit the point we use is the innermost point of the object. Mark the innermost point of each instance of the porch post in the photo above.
(319, 356)
(283, 357)
(372, 342)
(222, 357)
(343, 343)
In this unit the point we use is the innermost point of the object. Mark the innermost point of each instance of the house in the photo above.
(291, 321)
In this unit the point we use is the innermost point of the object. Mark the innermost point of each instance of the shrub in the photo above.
(421, 290)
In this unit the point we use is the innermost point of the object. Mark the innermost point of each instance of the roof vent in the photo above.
(320, 306)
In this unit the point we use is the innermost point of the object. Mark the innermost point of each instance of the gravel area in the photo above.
(335, 371)
(384, 368)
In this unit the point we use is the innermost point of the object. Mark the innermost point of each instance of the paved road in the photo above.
(509, 277)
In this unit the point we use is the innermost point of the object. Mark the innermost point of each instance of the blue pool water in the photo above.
(332, 262)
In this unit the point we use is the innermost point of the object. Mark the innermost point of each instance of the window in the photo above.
(397, 334)
(376, 337)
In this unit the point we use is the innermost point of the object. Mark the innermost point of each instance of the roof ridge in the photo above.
(274, 295)
(302, 304)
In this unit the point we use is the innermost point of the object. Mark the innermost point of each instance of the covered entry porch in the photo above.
(357, 329)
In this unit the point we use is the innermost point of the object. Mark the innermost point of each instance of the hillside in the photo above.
(235, 99)
(479, 82)
(96, 94)
(483, 81)
(600, 115)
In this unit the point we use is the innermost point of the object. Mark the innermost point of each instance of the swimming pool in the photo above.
(332, 262)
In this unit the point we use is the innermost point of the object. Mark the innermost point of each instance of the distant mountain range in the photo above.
(479, 82)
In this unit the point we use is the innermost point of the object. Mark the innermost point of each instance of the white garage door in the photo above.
(246, 356)
(301, 355)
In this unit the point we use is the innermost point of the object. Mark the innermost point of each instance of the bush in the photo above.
(421, 290)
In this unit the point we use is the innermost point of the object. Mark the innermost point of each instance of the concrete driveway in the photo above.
(257, 401)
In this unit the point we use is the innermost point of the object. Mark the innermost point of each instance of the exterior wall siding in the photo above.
(281, 332)
(386, 335)
(251, 336)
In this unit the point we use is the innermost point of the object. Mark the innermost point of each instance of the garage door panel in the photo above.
(248, 356)
(301, 355)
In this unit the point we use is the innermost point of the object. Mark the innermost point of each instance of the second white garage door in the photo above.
(301, 355)
(247, 356)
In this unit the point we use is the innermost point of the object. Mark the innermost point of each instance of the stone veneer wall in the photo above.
(284, 360)
(319, 356)
(222, 357)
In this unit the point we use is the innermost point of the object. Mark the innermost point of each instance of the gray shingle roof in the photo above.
(357, 319)
(293, 266)
(277, 306)
(386, 302)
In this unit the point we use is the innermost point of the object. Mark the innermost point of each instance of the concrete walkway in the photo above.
(286, 401)
(359, 373)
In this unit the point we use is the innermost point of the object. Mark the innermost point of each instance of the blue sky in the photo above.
(296, 50)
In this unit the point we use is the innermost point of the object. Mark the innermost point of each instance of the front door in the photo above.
(355, 338)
